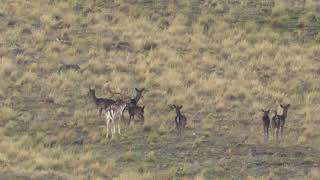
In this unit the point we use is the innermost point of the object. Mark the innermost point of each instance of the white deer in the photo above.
(113, 117)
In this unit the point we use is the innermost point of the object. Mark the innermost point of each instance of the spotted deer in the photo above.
(101, 103)
(278, 121)
(180, 119)
(113, 115)
(266, 124)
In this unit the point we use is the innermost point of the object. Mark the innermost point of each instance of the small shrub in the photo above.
(153, 137)
(307, 19)
(6, 114)
(129, 157)
(151, 157)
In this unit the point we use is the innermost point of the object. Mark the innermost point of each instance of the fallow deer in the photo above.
(101, 103)
(266, 124)
(113, 117)
(278, 121)
(64, 66)
(180, 119)
(136, 110)
(133, 103)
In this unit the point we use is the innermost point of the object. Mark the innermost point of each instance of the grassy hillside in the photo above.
(222, 60)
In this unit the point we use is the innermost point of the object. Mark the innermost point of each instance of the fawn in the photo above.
(266, 124)
(278, 121)
(180, 119)
(136, 110)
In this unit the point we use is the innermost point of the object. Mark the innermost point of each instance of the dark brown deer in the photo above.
(138, 111)
(180, 119)
(101, 103)
(278, 121)
(266, 124)
(133, 103)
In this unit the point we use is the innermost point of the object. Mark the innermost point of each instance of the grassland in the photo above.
(222, 60)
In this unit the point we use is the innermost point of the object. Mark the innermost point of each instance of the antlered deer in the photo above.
(278, 121)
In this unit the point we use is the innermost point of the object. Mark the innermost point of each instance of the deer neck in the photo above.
(284, 114)
(137, 98)
(178, 114)
(94, 97)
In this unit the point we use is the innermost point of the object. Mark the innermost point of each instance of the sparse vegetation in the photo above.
(223, 60)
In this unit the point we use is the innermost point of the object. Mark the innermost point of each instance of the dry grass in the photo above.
(223, 63)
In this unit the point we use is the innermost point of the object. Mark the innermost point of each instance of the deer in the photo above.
(278, 121)
(136, 110)
(64, 66)
(180, 119)
(133, 104)
(113, 117)
(101, 103)
(266, 124)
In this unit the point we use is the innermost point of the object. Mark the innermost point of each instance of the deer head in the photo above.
(265, 112)
(176, 107)
(285, 109)
(139, 94)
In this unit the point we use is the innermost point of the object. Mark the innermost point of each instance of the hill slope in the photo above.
(222, 61)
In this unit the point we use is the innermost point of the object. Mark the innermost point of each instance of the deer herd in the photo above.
(113, 111)
(277, 122)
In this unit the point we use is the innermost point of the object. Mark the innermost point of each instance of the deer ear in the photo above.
(180, 107)
(288, 105)
(281, 105)
(136, 89)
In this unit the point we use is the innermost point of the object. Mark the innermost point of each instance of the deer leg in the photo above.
(109, 126)
(277, 134)
(264, 133)
(122, 118)
(107, 129)
(100, 111)
(114, 130)
(132, 118)
(119, 128)
(267, 133)
(274, 132)
(281, 132)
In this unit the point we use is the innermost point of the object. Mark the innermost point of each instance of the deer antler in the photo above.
(122, 96)
(171, 106)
